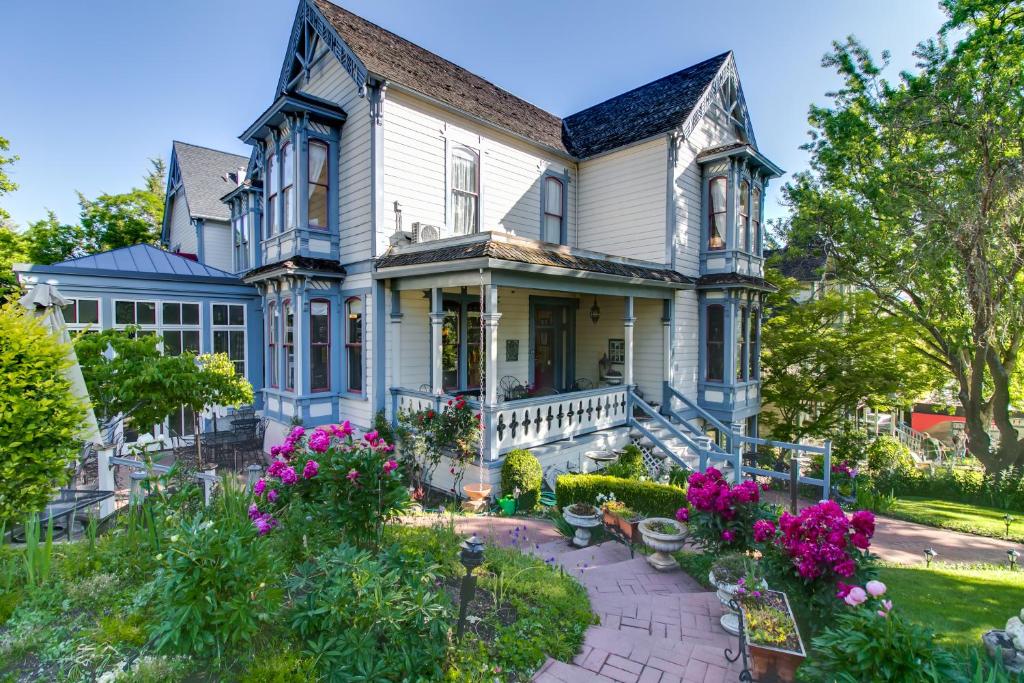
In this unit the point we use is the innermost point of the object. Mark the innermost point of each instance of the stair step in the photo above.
(604, 649)
(581, 561)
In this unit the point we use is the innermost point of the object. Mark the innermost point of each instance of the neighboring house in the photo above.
(413, 231)
(807, 266)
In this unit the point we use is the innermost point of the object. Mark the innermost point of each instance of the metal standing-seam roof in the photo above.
(140, 261)
(203, 173)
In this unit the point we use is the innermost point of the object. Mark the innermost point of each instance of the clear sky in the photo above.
(90, 90)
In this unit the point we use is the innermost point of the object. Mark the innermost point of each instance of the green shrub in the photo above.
(522, 470)
(39, 416)
(281, 666)
(887, 455)
(630, 464)
(646, 497)
(363, 618)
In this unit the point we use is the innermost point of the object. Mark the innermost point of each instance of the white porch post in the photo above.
(436, 326)
(491, 317)
(628, 321)
(396, 338)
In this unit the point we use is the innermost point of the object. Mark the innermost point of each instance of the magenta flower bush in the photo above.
(720, 516)
(330, 476)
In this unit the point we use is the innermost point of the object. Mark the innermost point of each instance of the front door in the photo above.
(552, 330)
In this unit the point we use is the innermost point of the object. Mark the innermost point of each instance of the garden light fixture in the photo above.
(1008, 520)
(929, 555)
(1012, 555)
(471, 556)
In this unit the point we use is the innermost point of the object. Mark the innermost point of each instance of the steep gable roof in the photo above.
(642, 112)
(203, 172)
(140, 260)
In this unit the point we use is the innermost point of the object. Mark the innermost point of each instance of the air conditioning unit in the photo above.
(421, 232)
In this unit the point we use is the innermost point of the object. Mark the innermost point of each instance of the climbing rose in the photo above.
(311, 469)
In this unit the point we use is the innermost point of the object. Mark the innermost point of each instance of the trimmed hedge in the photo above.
(646, 497)
(522, 469)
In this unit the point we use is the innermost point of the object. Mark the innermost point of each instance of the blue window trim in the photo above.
(569, 362)
(564, 179)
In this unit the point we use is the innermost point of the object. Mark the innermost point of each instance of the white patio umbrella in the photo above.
(45, 301)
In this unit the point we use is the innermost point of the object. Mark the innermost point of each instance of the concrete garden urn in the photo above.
(583, 517)
(663, 536)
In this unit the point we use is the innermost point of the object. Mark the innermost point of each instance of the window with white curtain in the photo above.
(465, 191)
(288, 185)
(743, 224)
(317, 185)
(717, 214)
(755, 220)
(554, 211)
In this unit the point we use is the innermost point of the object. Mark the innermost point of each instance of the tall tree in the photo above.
(50, 241)
(6, 184)
(12, 244)
(112, 221)
(917, 186)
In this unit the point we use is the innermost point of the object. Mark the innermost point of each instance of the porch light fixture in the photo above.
(929, 555)
(595, 312)
(1012, 555)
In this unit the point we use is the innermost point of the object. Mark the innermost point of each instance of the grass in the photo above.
(973, 519)
(959, 603)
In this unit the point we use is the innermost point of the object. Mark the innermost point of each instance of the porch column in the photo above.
(396, 338)
(436, 326)
(628, 321)
(491, 317)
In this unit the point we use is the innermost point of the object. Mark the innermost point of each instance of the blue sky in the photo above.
(90, 90)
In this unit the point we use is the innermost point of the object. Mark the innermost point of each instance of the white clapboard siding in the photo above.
(181, 234)
(685, 346)
(415, 167)
(331, 82)
(648, 347)
(217, 245)
(622, 201)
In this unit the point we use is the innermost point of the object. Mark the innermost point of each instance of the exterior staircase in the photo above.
(655, 627)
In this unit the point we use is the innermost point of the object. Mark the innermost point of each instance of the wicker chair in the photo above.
(511, 388)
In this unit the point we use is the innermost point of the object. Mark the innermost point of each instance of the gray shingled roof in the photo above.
(642, 112)
(202, 173)
(504, 251)
(724, 279)
(140, 260)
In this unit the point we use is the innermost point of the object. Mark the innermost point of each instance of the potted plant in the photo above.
(776, 649)
(663, 536)
(734, 574)
(618, 516)
(583, 517)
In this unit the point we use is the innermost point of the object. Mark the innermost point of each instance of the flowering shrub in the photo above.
(721, 516)
(821, 547)
(424, 434)
(351, 483)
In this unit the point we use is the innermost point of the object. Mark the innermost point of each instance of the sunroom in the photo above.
(545, 340)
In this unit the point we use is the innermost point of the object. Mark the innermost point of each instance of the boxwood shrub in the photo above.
(646, 497)
(522, 470)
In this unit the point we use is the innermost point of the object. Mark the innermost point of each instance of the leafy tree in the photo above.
(12, 250)
(50, 241)
(917, 187)
(824, 357)
(6, 184)
(40, 418)
(112, 221)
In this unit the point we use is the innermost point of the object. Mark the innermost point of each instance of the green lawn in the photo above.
(974, 519)
(959, 604)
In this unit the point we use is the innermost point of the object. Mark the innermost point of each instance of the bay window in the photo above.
(320, 345)
(354, 344)
(288, 185)
(288, 344)
(755, 220)
(715, 343)
(742, 330)
(317, 185)
(743, 224)
(554, 212)
(273, 326)
(465, 199)
(272, 189)
(717, 213)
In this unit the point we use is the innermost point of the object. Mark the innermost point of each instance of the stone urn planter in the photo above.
(663, 536)
(582, 517)
(726, 576)
(1000, 646)
(773, 662)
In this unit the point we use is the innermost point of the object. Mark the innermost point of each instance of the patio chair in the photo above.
(426, 388)
(511, 388)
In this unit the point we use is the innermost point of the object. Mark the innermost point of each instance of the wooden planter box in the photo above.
(627, 528)
(770, 664)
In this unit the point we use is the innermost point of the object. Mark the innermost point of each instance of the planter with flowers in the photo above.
(619, 517)
(663, 536)
(735, 575)
(771, 633)
(582, 517)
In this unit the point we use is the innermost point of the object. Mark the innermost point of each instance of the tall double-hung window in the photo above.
(742, 342)
(273, 186)
(288, 308)
(273, 329)
(715, 343)
(554, 211)
(743, 225)
(320, 345)
(717, 213)
(465, 183)
(354, 344)
(240, 229)
(288, 185)
(317, 185)
(755, 220)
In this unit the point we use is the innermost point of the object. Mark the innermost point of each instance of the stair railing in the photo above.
(699, 445)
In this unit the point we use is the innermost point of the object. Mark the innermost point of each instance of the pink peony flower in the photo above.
(875, 588)
(842, 589)
(254, 511)
(272, 496)
(855, 597)
(311, 469)
(728, 536)
(288, 476)
(353, 475)
(763, 530)
(320, 441)
(683, 514)
(296, 434)
(259, 487)
(390, 466)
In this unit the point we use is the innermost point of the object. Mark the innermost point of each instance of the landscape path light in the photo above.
(929, 555)
(471, 556)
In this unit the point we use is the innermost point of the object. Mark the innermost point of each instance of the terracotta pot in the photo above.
(477, 491)
(769, 665)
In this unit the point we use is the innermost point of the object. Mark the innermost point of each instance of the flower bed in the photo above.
(721, 516)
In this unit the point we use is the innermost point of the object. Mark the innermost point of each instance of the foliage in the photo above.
(972, 519)
(882, 641)
(40, 418)
(887, 456)
(521, 470)
(647, 498)
(768, 621)
(721, 516)
(630, 464)
(50, 241)
(352, 485)
(6, 184)
(830, 354)
(424, 434)
(1005, 492)
(215, 589)
(12, 250)
(362, 618)
(112, 221)
(917, 187)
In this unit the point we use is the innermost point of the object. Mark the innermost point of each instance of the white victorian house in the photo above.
(407, 230)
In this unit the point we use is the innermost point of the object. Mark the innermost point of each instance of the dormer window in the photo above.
(717, 213)
(317, 185)
(465, 191)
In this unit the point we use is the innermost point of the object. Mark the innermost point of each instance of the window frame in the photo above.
(135, 312)
(708, 342)
(754, 360)
(350, 345)
(711, 213)
(742, 340)
(326, 144)
(273, 189)
(755, 217)
(80, 326)
(273, 330)
(563, 222)
(315, 344)
(475, 156)
(230, 329)
(287, 161)
(743, 219)
(181, 327)
(288, 347)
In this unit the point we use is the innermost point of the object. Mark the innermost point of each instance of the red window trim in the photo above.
(272, 344)
(350, 344)
(712, 213)
(327, 188)
(313, 344)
